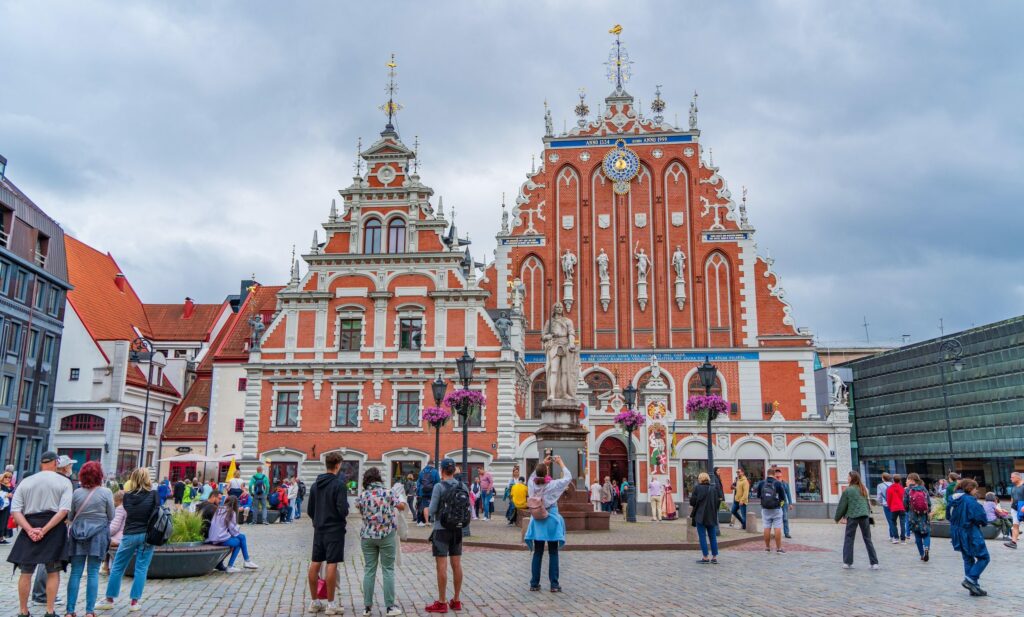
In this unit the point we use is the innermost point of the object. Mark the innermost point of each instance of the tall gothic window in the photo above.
(718, 298)
(538, 394)
(371, 236)
(396, 236)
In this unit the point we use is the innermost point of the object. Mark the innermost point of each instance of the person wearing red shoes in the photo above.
(449, 509)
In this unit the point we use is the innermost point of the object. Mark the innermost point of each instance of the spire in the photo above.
(315, 247)
(333, 218)
(744, 223)
(693, 112)
(391, 107)
(293, 282)
(618, 64)
(658, 106)
(359, 158)
(533, 164)
(416, 154)
(440, 206)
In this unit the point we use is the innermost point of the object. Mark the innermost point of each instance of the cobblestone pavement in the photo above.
(806, 581)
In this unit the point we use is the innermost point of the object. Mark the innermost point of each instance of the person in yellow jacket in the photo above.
(518, 493)
(740, 496)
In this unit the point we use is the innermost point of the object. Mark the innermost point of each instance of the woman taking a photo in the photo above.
(704, 516)
(92, 509)
(380, 508)
(224, 532)
(546, 525)
(140, 501)
(855, 510)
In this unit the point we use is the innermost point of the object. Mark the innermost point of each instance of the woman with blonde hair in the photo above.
(855, 510)
(704, 502)
(140, 501)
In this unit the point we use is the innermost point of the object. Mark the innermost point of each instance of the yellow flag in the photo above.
(232, 470)
(616, 29)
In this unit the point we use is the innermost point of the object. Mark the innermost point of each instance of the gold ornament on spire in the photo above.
(392, 107)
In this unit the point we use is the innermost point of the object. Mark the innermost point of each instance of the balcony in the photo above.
(39, 258)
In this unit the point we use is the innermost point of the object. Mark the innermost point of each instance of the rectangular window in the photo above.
(239, 425)
(407, 414)
(127, 461)
(347, 409)
(40, 301)
(5, 276)
(21, 285)
(754, 469)
(149, 459)
(474, 419)
(349, 334)
(14, 339)
(410, 333)
(43, 394)
(53, 304)
(49, 346)
(73, 376)
(807, 480)
(6, 390)
(287, 410)
(25, 396)
(152, 427)
(243, 383)
(33, 344)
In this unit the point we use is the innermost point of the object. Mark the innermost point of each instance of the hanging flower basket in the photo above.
(472, 398)
(436, 416)
(630, 420)
(699, 407)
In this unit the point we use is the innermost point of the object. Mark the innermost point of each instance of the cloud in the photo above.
(881, 143)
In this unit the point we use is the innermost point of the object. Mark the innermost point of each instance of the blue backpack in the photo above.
(273, 501)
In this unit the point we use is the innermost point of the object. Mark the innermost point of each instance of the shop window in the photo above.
(754, 468)
(808, 480)
(400, 470)
(692, 469)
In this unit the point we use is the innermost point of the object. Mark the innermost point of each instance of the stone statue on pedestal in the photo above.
(561, 356)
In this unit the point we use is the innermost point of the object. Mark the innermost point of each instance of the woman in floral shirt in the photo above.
(380, 508)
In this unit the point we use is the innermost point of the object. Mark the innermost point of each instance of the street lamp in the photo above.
(708, 373)
(950, 350)
(438, 387)
(629, 394)
(464, 365)
(142, 351)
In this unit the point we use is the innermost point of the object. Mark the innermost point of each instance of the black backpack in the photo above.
(160, 526)
(769, 495)
(453, 507)
(302, 489)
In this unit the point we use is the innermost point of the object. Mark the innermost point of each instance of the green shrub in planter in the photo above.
(187, 527)
(939, 510)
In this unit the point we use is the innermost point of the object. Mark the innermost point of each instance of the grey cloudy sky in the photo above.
(881, 142)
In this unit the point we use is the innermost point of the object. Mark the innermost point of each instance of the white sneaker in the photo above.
(875, 566)
(367, 611)
(104, 605)
(250, 565)
(393, 611)
(134, 608)
(420, 525)
(334, 609)
(232, 570)
(316, 606)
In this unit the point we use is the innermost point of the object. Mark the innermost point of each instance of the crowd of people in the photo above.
(64, 522)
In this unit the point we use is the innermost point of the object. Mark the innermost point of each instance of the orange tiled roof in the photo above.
(263, 298)
(107, 312)
(167, 322)
(197, 396)
(136, 377)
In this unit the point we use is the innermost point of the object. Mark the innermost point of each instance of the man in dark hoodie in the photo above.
(328, 509)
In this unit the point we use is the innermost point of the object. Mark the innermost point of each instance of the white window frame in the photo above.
(350, 311)
(408, 311)
(285, 387)
(334, 410)
(394, 408)
(457, 419)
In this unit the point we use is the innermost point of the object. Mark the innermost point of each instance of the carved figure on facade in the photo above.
(602, 266)
(643, 264)
(518, 293)
(838, 390)
(679, 265)
(568, 264)
(561, 355)
(504, 327)
(256, 327)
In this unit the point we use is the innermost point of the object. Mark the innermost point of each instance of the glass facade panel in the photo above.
(807, 480)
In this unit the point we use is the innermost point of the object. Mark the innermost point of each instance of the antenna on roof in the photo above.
(867, 337)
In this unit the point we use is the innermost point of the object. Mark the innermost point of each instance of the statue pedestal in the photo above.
(561, 434)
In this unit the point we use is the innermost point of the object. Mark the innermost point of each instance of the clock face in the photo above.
(620, 164)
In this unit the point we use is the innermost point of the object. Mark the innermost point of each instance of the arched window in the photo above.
(600, 385)
(82, 422)
(718, 300)
(696, 388)
(531, 273)
(131, 424)
(396, 236)
(371, 236)
(538, 394)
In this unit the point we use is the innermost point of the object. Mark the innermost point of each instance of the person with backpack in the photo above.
(918, 506)
(178, 494)
(328, 509)
(424, 491)
(449, 509)
(380, 509)
(300, 494)
(966, 518)
(142, 509)
(546, 525)
(188, 494)
(894, 497)
(855, 511)
(769, 491)
(92, 510)
(224, 532)
(259, 488)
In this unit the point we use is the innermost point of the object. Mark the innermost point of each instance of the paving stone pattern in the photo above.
(806, 582)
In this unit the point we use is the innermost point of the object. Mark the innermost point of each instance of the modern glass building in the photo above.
(956, 398)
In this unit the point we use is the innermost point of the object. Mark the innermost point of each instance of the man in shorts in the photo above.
(772, 501)
(1016, 502)
(328, 509)
(446, 545)
(40, 507)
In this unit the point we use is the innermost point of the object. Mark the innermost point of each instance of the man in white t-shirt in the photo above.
(655, 491)
(595, 495)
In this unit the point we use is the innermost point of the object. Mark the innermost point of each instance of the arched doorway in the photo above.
(612, 459)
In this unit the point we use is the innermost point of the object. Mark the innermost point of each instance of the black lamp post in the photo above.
(438, 387)
(629, 394)
(707, 373)
(464, 365)
(950, 350)
(142, 351)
